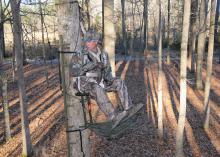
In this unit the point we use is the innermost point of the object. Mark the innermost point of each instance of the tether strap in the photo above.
(80, 135)
(67, 52)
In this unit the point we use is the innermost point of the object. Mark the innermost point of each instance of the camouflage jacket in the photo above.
(95, 66)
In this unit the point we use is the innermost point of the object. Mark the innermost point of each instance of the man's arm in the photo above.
(90, 63)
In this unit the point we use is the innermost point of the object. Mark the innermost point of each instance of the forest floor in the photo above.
(47, 123)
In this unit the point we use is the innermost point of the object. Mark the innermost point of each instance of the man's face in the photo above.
(91, 45)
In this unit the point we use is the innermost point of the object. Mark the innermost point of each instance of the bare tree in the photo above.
(132, 26)
(168, 33)
(201, 42)
(2, 42)
(217, 19)
(209, 63)
(217, 23)
(160, 73)
(43, 42)
(194, 32)
(124, 34)
(70, 40)
(145, 16)
(183, 74)
(26, 138)
(109, 32)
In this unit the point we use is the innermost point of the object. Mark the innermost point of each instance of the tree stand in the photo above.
(106, 129)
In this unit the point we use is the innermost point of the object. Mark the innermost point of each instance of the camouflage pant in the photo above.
(99, 94)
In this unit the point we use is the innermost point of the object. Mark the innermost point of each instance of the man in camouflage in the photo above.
(95, 78)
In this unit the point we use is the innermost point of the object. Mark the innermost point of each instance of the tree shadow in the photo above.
(195, 120)
(39, 91)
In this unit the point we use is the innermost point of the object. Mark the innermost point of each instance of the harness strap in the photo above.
(80, 135)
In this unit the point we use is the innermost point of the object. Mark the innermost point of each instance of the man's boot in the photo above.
(118, 118)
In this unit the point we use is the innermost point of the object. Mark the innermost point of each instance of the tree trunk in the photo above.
(183, 74)
(70, 40)
(2, 42)
(132, 28)
(23, 50)
(26, 138)
(160, 73)
(5, 107)
(209, 63)
(43, 43)
(201, 43)
(13, 55)
(192, 48)
(124, 34)
(145, 14)
(109, 32)
(168, 33)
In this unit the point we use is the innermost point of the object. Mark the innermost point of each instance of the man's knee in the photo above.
(96, 90)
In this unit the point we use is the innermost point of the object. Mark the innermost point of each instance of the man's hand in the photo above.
(100, 65)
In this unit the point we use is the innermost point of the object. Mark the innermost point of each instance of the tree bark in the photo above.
(183, 74)
(160, 73)
(145, 14)
(5, 107)
(201, 43)
(109, 32)
(124, 34)
(26, 138)
(209, 64)
(70, 40)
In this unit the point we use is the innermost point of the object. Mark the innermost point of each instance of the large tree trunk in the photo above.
(201, 43)
(145, 14)
(209, 63)
(109, 32)
(26, 138)
(2, 42)
(70, 40)
(183, 74)
(168, 33)
(160, 73)
(5, 107)
(124, 34)
(192, 48)
(43, 43)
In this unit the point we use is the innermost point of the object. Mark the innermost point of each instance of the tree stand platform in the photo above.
(107, 129)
